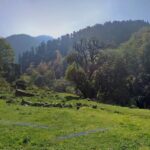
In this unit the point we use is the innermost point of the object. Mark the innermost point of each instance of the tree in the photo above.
(6, 53)
(83, 62)
(77, 75)
(8, 69)
(111, 79)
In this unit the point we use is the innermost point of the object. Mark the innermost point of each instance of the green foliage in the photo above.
(62, 85)
(6, 53)
(100, 65)
(42, 75)
(84, 64)
(111, 34)
(118, 76)
(110, 80)
(8, 69)
(77, 75)
(25, 78)
(136, 53)
(4, 85)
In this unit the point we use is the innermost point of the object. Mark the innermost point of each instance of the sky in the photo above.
(59, 17)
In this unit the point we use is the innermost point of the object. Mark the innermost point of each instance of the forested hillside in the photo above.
(22, 43)
(110, 34)
(108, 63)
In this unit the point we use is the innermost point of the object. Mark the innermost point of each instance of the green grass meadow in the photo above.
(105, 127)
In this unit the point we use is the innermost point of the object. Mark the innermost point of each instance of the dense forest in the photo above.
(110, 34)
(108, 63)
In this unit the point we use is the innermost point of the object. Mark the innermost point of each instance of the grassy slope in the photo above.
(24, 127)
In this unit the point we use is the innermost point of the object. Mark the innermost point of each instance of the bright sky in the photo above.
(58, 17)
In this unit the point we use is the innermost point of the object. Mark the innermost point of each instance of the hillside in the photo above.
(113, 33)
(84, 126)
(43, 38)
(110, 34)
(22, 42)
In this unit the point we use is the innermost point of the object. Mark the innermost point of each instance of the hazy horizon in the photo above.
(59, 17)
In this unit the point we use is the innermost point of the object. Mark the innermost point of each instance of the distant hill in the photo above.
(22, 42)
(44, 38)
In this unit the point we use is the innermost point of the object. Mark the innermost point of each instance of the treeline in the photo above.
(111, 34)
(109, 63)
(98, 69)
(120, 76)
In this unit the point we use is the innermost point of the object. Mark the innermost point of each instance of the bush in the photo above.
(4, 85)
(61, 85)
(70, 89)
(40, 81)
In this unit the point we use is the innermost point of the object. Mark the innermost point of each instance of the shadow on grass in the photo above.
(69, 98)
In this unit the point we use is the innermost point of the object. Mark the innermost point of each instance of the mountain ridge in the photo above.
(24, 42)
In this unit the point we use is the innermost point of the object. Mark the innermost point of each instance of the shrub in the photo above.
(4, 85)
(61, 85)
